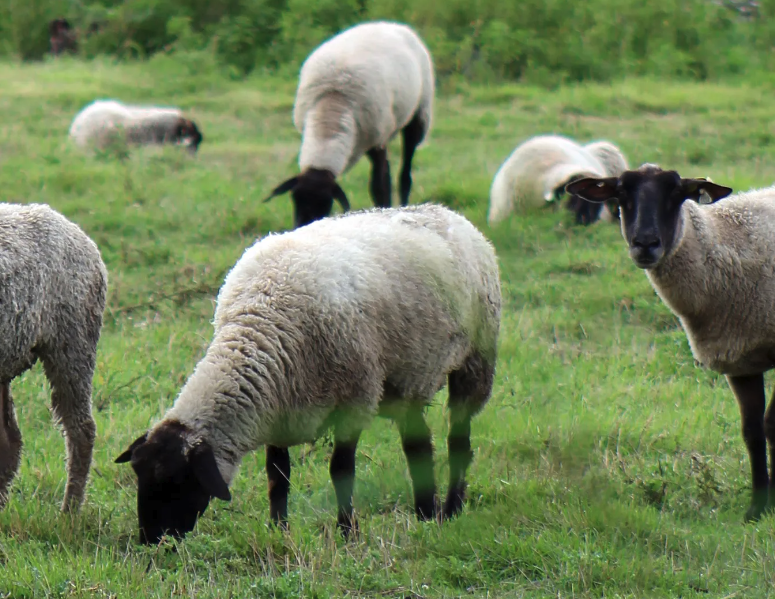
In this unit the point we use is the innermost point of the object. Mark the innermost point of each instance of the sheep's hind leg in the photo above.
(418, 448)
(412, 135)
(769, 431)
(380, 177)
(469, 389)
(749, 391)
(70, 375)
(342, 470)
(278, 474)
(10, 442)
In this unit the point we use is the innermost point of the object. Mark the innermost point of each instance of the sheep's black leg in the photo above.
(380, 177)
(278, 473)
(460, 456)
(769, 431)
(10, 442)
(469, 390)
(749, 391)
(418, 448)
(342, 470)
(412, 135)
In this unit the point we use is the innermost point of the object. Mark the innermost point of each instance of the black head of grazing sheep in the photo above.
(187, 134)
(175, 483)
(313, 193)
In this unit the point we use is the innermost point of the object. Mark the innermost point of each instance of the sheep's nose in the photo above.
(647, 241)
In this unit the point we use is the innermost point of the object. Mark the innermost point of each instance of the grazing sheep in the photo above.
(62, 37)
(356, 92)
(104, 122)
(365, 314)
(52, 296)
(614, 164)
(713, 267)
(538, 170)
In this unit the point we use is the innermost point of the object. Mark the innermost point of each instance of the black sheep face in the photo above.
(649, 201)
(313, 193)
(174, 483)
(187, 134)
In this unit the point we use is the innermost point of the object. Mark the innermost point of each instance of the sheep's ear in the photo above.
(127, 455)
(284, 187)
(206, 470)
(704, 191)
(340, 197)
(593, 189)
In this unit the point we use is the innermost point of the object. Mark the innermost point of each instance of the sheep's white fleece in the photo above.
(358, 90)
(334, 316)
(537, 167)
(720, 281)
(104, 121)
(53, 286)
(614, 164)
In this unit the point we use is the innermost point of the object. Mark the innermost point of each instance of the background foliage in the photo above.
(542, 41)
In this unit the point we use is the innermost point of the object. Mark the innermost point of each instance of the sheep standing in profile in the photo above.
(53, 285)
(714, 267)
(538, 170)
(328, 326)
(356, 92)
(105, 122)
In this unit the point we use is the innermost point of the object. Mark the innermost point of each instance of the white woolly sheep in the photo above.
(538, 170)
(365, 314)
(104, 122)
(356, 92)
(53, 285)
(713, 267)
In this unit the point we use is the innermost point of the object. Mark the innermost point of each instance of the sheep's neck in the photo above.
(329, 135)
(682, 280)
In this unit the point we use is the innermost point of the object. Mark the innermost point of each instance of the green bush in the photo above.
(543, 41)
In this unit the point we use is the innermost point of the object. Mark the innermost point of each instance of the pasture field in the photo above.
(606, 464)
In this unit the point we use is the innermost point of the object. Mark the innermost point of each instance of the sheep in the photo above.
(713, 266)
(62, 37)
(356, 92)
(363, 314)
(104, 122)
(614, 164)
(538, 170)
(53, 286)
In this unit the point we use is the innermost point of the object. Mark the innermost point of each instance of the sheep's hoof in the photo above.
(427, 508)
(348, 526)
(759, 507)
(453, 505)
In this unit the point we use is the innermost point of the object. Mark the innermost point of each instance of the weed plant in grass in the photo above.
(606, 464)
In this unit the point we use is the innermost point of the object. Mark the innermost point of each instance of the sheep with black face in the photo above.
(104, 122)
(356, 92)
(713, 266)
(366, 314)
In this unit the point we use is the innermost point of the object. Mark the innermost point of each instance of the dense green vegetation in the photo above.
(545, 42)
(607, 464)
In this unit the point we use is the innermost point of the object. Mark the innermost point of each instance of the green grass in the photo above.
(607, 464)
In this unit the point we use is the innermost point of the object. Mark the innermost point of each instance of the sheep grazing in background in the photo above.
(106, 122)
(365, 314)
(356, 92)
(713, 266)
(539, 169)
(52, 299)
(62, 37)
